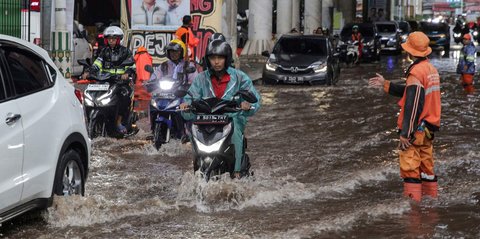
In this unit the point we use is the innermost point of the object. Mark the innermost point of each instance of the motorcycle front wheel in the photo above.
(159, 135)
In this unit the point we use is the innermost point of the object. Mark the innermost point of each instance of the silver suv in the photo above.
(44, 147)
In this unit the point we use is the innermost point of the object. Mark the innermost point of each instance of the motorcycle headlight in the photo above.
(88, 102)
(457, 34)
(210, 148)
(105, 101)
(475, 33)
(166, 85)
(370, 43)
(271, 66)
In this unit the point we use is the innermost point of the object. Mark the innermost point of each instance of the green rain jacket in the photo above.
(202, 88)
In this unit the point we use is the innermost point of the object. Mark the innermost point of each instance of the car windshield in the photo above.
(365, 30)
(386, 28)
(432, 27)
(403, 26)
(307, 46)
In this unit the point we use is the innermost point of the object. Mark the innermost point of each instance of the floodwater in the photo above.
(324, 164)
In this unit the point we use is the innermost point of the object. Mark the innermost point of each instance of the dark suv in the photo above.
(438, 33)
(298, 59)
(371, 39)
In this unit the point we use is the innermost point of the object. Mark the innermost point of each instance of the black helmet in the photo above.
(219, 47)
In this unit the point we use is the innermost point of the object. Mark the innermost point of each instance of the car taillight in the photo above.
(79, 95)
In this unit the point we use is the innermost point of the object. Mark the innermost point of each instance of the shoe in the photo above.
(121, 129)
(185, 139)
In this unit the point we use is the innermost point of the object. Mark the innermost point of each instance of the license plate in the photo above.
(98, 87)
(291, 79)
(165, 95)
(212, 119)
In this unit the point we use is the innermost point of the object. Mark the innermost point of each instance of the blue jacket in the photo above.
(468, 55)
(201, 88)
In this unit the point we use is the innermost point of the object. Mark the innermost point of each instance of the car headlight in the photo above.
(319, 67)
(271, 66)
(166, 85)
(442, 36)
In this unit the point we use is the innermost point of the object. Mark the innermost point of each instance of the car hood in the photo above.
(388, 34)
(300, 60)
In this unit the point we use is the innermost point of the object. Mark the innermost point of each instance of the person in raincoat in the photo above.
(222, 81)
(466, 63)
(142, 97)
(185, 34)
(174, 68)
(419, 117)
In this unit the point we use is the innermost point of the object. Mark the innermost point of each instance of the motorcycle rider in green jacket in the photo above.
(222, 81)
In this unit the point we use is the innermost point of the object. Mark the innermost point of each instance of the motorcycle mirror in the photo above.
(181, 92)
(127, 62)
(247, 96)
(149, 68)
(190, 69)
(84, 62)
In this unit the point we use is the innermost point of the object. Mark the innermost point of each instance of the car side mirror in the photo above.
(247, 96)
(265, 54)
(149, 68)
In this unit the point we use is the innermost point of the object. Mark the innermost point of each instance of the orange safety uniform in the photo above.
(185, 34)
(142, 97)
(358, 37)
(419, 118)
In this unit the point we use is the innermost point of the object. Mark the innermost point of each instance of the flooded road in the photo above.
(325, 167)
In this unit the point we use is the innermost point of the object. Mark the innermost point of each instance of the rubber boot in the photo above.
(413, 191)
(430, 189)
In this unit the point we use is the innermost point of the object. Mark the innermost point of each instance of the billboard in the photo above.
(206, 20)
(157, 14)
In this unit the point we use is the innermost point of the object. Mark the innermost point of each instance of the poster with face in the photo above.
(157, 15)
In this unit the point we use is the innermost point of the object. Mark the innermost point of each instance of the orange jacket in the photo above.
(420, 98)
(142, 58)
(186, 35)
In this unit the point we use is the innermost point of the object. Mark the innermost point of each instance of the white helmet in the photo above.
(113, 31)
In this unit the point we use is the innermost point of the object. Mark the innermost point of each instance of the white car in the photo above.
(44, 147)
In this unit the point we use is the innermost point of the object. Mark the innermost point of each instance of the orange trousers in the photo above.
(417, 160)
(467, 82)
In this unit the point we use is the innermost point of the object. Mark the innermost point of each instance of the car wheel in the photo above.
(70, 175)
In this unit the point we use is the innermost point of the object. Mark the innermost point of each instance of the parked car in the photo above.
(298, 59)
(438, 33)
(390, 32)
(371, 40)
(405, 30)
(44, 145)
(81, 48)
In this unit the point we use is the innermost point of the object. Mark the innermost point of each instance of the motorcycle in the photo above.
(352, 53)
(168, 122)
(101, 102)
(212, 130)
(458, 33)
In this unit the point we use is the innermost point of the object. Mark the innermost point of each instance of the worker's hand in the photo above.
(245, 106)
(184, 106)
(124, 76)
(85, 75)
(404, 143)
(376, 81)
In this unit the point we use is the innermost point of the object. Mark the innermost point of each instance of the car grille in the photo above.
(294, 70)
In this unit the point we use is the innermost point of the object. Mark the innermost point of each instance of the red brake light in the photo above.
(79, 95)
(35, 5)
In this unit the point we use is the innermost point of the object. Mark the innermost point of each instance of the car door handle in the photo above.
(12, 118)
